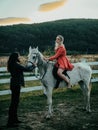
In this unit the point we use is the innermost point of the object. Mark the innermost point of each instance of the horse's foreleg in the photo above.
(49, 101)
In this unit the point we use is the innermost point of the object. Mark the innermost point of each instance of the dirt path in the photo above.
(64, 117)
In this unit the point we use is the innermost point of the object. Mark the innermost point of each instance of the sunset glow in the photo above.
(33, 11)
(51, 6)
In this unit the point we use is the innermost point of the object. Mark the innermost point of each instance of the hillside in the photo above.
(81, 36)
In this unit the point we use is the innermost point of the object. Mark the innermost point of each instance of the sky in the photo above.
(36, 11)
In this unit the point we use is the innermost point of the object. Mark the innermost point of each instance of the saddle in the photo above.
(54, 71)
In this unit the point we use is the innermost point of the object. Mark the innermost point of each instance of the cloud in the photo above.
(14, 20)
(51, 5)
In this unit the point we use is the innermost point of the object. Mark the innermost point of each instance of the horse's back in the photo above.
(80, 72)
(84, 67)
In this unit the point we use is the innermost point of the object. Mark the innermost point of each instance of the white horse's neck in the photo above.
(42, 65)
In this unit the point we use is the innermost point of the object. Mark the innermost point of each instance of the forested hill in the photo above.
(81, 36)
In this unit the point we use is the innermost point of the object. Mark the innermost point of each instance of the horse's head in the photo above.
(34, 56)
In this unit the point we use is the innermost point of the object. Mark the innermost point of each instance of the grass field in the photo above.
(6, 86)
(68, 113)
(67, 104)
(72, 58)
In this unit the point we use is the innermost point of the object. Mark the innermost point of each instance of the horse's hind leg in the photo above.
(86, 93)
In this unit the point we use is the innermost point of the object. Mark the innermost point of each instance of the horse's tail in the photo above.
(90, 76)
(90, 83)
(86, 73)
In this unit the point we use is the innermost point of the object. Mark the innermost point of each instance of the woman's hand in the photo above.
(46, 58)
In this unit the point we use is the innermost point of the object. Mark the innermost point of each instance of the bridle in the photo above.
(31, 63)
(36, 63)
(34, 58)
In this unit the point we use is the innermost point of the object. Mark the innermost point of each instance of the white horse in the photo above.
(81, 74)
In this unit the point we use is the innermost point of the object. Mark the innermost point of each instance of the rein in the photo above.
(44, 73)
(41, 63)
(32, 63)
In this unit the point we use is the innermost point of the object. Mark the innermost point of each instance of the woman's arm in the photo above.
(25, 68)
(59, 52)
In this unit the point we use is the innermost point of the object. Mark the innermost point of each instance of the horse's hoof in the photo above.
(89, 111)
(48, 117)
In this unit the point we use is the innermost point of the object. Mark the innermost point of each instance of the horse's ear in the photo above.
(30, 48)
(37, 47)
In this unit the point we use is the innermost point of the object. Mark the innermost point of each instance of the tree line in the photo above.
(81, 36)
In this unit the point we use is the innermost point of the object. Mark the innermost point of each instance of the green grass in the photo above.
(8, 76)
(59, 95)
(67, 106)
(6, 86)
(94, 75)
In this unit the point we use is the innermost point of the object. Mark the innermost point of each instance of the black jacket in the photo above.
(17, 77)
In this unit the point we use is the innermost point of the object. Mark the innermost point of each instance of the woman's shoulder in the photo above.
(62, 47)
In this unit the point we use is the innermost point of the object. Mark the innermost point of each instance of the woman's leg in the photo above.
(14, 105)
(60, 73)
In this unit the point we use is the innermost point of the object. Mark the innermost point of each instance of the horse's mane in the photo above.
(42, 57)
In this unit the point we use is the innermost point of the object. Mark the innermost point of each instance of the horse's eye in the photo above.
(33, 57)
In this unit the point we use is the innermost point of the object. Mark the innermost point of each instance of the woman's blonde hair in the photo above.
(61, 38)
(61, 41)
